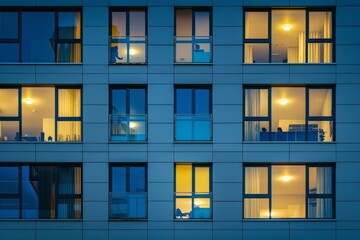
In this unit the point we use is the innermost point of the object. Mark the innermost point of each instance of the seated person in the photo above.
(115, 54)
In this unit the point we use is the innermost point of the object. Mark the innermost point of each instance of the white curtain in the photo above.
(248, 54)
(293, 54)
(323, 186)
(252, 101)
(302, 42)
(327, 35)
(314, 49)
(252, 186)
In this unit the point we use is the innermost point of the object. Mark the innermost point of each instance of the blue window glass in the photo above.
(9, 208)
(30, 198)
(119, 179)
(9, 52)
(118, 101)
(202, 97)
(183, 101)
(137, 101)
(9, 180)
(8, 25)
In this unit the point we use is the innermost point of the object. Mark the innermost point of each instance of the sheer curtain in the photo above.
(302, 46)
(248, 54)
(314, 49)
(323, 186)
(252, 186)
(327, 35)
(70, 29)
(252, 108)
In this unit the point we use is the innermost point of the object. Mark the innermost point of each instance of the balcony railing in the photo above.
(193, 49)
(193, 127)
(127, 127)
(132, 205)
(193, 205)
(128, 50)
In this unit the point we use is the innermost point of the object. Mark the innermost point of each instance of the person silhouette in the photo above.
(115, 54)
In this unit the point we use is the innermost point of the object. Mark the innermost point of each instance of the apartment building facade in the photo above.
(171, 119)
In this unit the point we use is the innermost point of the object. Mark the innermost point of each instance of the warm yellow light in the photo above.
(132, 52)
(283, 101)
(132, 125)
(285, 178)
(286, 27)
(267, 214)
(28, 101)
(197, 203)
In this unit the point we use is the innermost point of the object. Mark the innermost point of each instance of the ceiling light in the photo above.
(283, 101)
(132, 125)
(132, 51)
(286, 27)
(285, 178)
(28, 100)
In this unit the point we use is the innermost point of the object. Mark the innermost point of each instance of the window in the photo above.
(289, 191)
(289, 113)
(128, 114)
(193, 191)
(40, 36)
(40, 114)
(193, 41)
(128, 36)
(30, 191)
(289, 36)
(128, 191)
(193, 118)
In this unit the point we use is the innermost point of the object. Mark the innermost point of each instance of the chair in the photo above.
(179, 213)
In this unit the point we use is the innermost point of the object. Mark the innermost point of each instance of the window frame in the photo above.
(307, 194)
(57, 39)
(57, 194)
(308, 40)
(307, 118)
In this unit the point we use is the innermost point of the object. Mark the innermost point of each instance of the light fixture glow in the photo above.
(132, 125)
(132, 51)
(283, 101)
(285, 178)
(28, 101)
(286, 27)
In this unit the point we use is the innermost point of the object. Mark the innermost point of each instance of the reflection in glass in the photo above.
(69, 208)
(9, 180)
(69, 25)
(9, 208)
(320, 208)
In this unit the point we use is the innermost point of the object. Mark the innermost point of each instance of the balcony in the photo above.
(193, 127)
(193, 49)
(128, 205)
(128, 50)
(127, 127)
(193, 205)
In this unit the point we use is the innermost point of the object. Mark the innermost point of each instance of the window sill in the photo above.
(193, 142)
(127, 142)
(287, 142)
(284, 64)
(39, 220)
(127, 220)
(137, 64)
(193, 220)
(39, 142)
(190, 63)
(289, 220)
(44, 63)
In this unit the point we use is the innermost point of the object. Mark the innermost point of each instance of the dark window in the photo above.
(289, 191)
(128, 114)
(193, 118)
(128, 40)
(289, 36)
(40, 36)
(41, 191)
(289, 113)
(128, 192)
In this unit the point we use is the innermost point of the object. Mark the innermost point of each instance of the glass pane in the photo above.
(9, 131)
(69, 180)
(9, 208)
(288, 111)
(38, 37)
(320, 102)
(202, 180)
(137, 101)
(183, 178)
(69, 25)
(137, 53)
(118, 179)
(9, 52)
(256, 180)
(256, 25)
(320, 52)
(118, 24)
(320, 208)
(119, 53)
(8, 25)
(118, 101)
(256, 102)
(321, 131)
(69, 208)
(69, 102)
(320, 180)
(257, 131)
(193, 127)
(202, 52)
(201, 208)
(137, 23)
(184, 22)
(256, 208)
(137, 179)
(183, 207)
(288, 192)
(30, 197)
(202, 101)
(183, 101)
(9, 102)
(69, 53)
(128, 127)
(320, 25)
(202, 24)
(256, 53)
(38, 113)
(9, 180)
(183, 52)
(69, 131)
(128, 205)
(288, 36)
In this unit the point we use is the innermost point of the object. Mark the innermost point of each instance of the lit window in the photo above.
(193, 41)
(41, 191)
(128, 36)
(293, 114)
(193, 118)
(288, 191)
(44, 114)
(128, 192)
(288, 36)
(40, 36)
(128, 114)
(193, 191)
